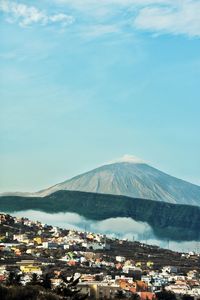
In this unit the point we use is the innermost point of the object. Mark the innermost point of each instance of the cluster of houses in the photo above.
(28, 248)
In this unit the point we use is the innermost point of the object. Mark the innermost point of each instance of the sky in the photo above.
(85, 82)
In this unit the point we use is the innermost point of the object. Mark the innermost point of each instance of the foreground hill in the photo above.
(133, 178)
(178, 222)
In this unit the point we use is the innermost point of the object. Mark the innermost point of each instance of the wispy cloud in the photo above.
(27, 15)
(98, 30)
(156, 16)
(180, 18)
(83, 4)
(106, 8)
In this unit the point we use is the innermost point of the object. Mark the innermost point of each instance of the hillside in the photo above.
(178, 222)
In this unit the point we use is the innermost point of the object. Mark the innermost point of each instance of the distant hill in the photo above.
(133, 178)
(178, 222)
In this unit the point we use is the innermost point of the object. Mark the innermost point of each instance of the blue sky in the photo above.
(85, 82)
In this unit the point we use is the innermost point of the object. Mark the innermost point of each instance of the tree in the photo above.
(13, 279)
(34, 279)
(135, 297)
(10, 279)
(46, 281)
(120, 294)
(187, 297)
(166, 295)
(68, 289)
(3, 293)
(19, 293)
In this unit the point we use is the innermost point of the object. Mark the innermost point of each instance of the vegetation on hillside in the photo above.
(173, 221)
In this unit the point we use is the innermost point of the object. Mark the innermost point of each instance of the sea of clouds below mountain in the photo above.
(123, 228)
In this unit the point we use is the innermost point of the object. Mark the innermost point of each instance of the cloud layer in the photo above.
(27, 15)
(123, 228)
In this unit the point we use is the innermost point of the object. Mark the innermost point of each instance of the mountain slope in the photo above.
(133, 179)
(177, 222)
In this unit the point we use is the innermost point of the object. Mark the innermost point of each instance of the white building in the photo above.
(120, 259)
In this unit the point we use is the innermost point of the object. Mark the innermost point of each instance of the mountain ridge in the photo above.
(132, 180)
(130, 177)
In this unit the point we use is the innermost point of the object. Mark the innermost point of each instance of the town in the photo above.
(92, 265)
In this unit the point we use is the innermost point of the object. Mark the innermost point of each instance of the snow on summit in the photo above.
(128, 159)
